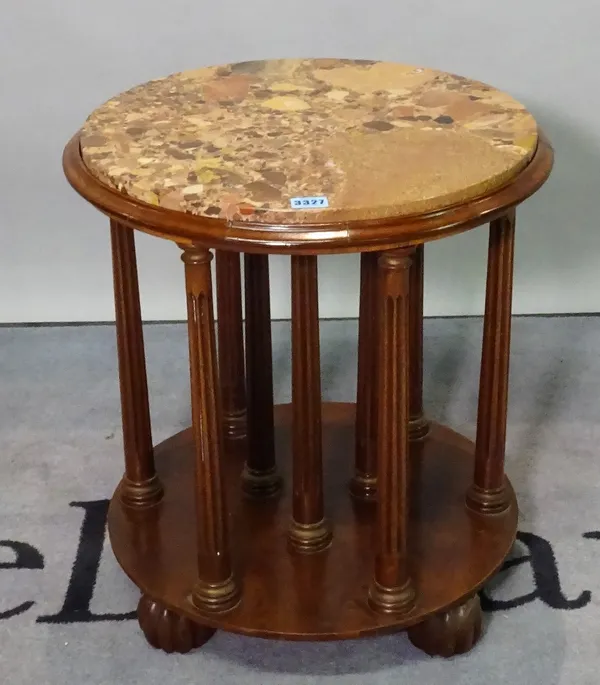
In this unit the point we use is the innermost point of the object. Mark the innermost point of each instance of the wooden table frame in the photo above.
(298, 548)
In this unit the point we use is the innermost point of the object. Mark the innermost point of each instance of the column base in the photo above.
(363, 487)
(216, 598)
(308, 538)
(392, 600)
(418, 427)
(488, 502)
(140, 495)
(261, 484)
(235, 427)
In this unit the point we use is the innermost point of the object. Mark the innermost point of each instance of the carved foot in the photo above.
(455, 631)
(166, 630)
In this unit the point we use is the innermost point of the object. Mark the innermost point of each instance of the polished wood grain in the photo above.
(260, 478)
(363, 484)
(141, 486)
(488, 494)
(309, 531)
(167, 630)
(231, 344)
(317, 596)
(392, 589)
(418, 426)
(215, 589)
(335, 237)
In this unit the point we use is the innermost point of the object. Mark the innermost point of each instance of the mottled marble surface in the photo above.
(377, 139)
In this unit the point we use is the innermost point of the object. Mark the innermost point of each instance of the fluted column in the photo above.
(260, 477)
(488, 494)
(309, 531)
(363, 484)
(140, 486)
(216, 588)
(418, 426)
(392, 590)
(231, 345)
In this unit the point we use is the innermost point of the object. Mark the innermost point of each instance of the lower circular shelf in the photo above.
(321, 596)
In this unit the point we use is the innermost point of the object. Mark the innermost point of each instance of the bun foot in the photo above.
(164, 629)
(451, 632)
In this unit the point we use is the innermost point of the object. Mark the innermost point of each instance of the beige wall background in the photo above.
(62, 58)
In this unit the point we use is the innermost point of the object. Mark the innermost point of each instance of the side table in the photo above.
(312, 520)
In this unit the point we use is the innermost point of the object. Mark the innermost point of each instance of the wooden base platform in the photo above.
(321, 596)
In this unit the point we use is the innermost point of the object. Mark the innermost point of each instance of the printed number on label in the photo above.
(309, 202)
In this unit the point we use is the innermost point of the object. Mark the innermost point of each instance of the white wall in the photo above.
(62, 58)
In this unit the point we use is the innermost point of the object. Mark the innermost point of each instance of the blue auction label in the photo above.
(309, 202)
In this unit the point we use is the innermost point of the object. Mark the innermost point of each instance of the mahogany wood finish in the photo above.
(418, 423)
(216, 588)
(167, 630)
(317, 596)
(260, 477)
(451, 632)
(309, 531)
(231, 344)
(140, 485)
(392, 590)
(413, 561)
(488, 493)
(363, 484)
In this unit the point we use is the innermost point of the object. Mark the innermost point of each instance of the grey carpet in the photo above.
(60, 444)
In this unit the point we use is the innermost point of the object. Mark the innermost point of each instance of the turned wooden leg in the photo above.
(392, 590)
(363, 484)
(140, 486)
(166, 630)
(418, 426)
(488, 494)
(309, 531)
(452, 632)
(260, 477)
(231, 345)
(216, 588)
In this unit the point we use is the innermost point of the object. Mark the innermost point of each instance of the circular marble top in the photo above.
(308, 141)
